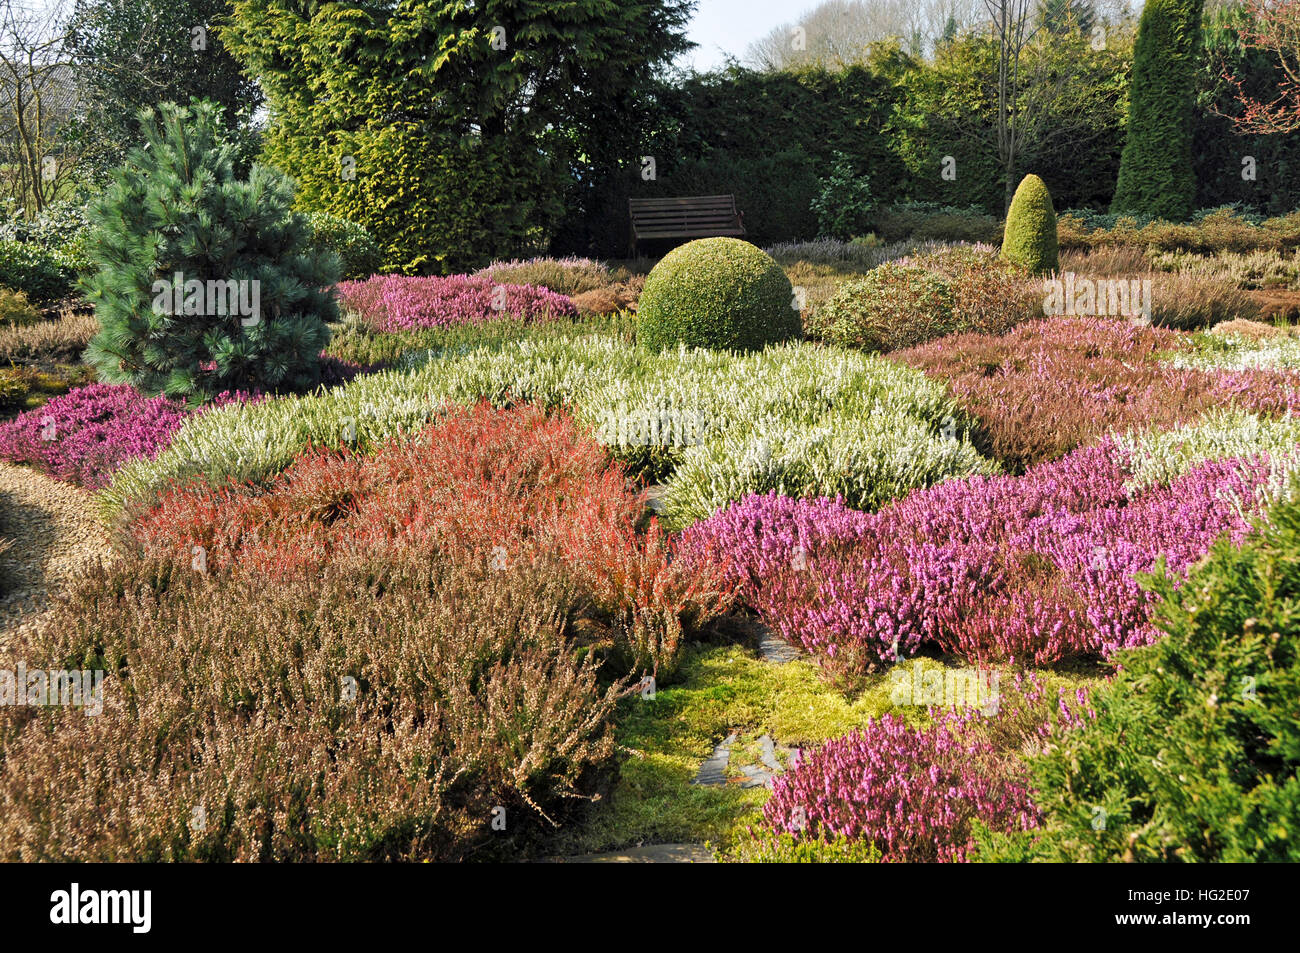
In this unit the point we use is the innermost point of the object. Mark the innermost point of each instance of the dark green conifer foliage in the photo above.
(1155, 171)
(1029, 239)
(176, 213)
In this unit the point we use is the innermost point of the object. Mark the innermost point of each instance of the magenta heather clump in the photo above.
(89, 433)
(911, 792)
(403, 303)
(914, 792)
(1034, 568)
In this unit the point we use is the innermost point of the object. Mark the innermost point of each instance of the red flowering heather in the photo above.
(402, 303)
(498, 486)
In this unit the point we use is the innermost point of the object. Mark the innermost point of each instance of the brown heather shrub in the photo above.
(1106, 261)
(1219, 231)
(989, 294)
(1048, 387)
(1250, 330)
(375, 710)
(1250, 271)
(1190, 302)
(1182, 300)
(904, 303)
(818, 283)
(61, 340)
(611, 299)
(598, 301)
(566, 276)
(894, 306)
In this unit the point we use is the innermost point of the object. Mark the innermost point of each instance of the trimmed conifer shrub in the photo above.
(720, 293)
(1030, 238)
(204, 282)
(1195, 751)
(1156, 176)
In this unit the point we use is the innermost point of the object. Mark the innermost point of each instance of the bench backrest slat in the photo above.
(692, 216)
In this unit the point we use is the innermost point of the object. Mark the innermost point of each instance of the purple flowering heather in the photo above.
(912, 792)
(1033, 568)
(403, 303)
(89, 433)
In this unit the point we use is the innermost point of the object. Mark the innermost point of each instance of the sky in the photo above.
(729, 26)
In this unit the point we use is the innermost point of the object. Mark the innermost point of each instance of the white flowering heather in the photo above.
(1280, 484)
(867, 461)
(1156, 456)
(803, 419)
(1233, 353)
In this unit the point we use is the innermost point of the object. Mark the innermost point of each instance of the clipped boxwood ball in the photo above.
(1030, 238)
(717, 293)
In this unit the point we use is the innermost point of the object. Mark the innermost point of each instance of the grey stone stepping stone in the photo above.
(652, 854)
(775, 649)
(767, 754)
(714, 771)
(755, 777)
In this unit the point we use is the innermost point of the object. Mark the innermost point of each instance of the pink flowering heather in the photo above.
(1051, 386)
(1034, 568)
(403, 303)
(912, 792)
(1273, 393)
(89, 433)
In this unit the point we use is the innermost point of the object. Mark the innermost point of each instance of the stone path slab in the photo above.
(652, 854)
(775, 649)
(714, 770)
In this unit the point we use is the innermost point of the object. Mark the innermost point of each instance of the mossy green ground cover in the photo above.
(721, 689)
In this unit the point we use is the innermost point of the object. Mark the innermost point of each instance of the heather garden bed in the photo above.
(905, 521)
(490, 578)
(358, 503)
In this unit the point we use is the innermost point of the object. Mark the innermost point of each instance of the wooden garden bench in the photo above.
(698, 216)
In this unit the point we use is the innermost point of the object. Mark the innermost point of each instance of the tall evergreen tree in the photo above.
(949, 31)
(1059, 17)
(132, 54)
(448, 128)
(1155, 172)
(204, 282)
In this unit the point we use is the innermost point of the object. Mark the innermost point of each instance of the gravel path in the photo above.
(54, 530)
